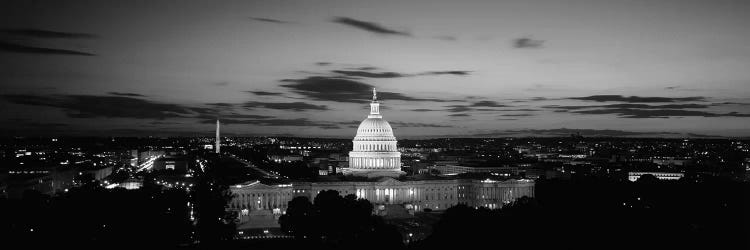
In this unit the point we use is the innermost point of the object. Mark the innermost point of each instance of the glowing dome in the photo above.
(374, 152)
(375, 127)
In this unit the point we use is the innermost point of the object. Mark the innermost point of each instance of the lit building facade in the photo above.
(259, 205)
(634, 176)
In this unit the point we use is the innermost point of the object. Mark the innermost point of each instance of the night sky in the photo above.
(442, 68)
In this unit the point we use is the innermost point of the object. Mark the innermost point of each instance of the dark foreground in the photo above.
(709, 213)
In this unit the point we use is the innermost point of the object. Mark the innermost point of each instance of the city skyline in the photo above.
(296, 68)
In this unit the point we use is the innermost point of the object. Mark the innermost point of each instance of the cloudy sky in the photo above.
(443, 68)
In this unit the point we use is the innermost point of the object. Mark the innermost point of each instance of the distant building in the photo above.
(49, 180)
(634, 176)
(285, 158)
(672, 161)
(454, 170)
(131, 184)
(172, 162)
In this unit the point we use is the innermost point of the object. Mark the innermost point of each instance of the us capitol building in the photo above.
(375, 174)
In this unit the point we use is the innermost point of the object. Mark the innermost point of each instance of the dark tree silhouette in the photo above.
(91, 216)
(648, 179)
(211, 198)
(593, 212)
(298, 220)
(338, 222)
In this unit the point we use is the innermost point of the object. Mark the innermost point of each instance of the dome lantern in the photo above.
(374, 106)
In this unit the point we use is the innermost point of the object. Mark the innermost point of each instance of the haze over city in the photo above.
(442, 68)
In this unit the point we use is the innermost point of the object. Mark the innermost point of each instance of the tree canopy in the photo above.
(339, 222)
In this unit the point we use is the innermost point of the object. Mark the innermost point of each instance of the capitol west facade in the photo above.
(375, 156)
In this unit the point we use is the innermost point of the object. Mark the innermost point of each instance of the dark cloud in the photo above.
(33, 100)
(419, 125)
(524, 110)
(488, 104)
(47, 34)
(568, 132)
(330, 89)
(518, 115)
(365, 72)
(458, 108)
(203, 110)
(267, 20)
(152, 131)
(298, 122)
(343, 90)
(220, 104)
(448, 72)
(296, 106)
(17, 48)
(90, 106)
(666, 106)
(631, 106)
(265, 93)
(533, 99)
(244, 116)
(329, 126)
(636, 110)
(425, 110)
(222, 116)
(369, 74)
(658, 113)
(477, 106)
(637, 99)
(459, 115)
(527, 43)
(126, 94)
(369, 26)
(322, 63)
(23, 41)
(733, 103)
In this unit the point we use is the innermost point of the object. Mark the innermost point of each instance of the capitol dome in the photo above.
(375, 127)
(374, 152)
